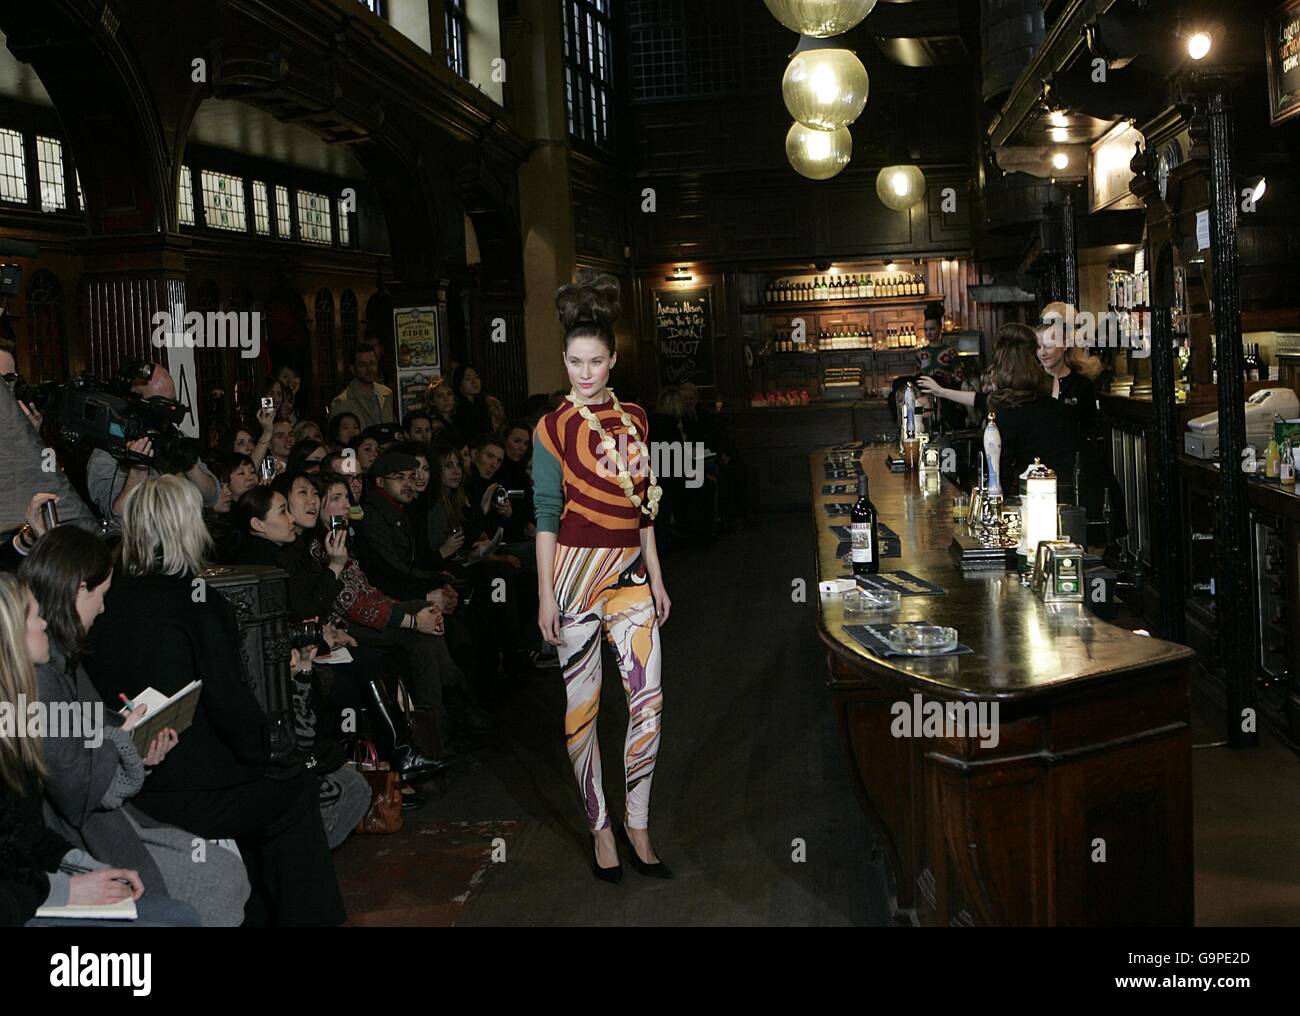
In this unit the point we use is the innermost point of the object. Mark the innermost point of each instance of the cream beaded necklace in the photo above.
(653, 491)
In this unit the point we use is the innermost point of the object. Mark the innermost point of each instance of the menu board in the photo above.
(1282, 49)
(684, 336)
(417, 336)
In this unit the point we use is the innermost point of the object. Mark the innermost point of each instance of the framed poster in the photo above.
(1282, 52)
(417, 335)
(683, 335)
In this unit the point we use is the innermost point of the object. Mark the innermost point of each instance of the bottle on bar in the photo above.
(869, 288)
(862, 532)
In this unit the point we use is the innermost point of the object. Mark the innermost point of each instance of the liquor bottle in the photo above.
(1252, 365)
(862, 532)
(1263, 365)
(1255, 373)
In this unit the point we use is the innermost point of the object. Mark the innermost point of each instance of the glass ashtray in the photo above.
(921, 639)
(862, 602)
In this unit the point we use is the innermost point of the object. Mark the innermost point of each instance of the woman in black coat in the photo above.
(472, 416)
(164, 625)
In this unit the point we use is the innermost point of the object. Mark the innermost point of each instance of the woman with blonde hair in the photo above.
(166, 626)
(38, 867)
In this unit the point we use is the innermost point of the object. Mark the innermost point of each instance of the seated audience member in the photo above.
(281, 398)
(472, 416)
(418, 426)
(89, 789)
(342, 428)
(270, 537)
(442, 407)
(281, 444)
(514, 474)
(219, 782)
(692, 509)
(365, 449)
(108, 481)
(497, 412)
(701, 426)
(306, 456)
(308, 430)
(38, 867)
(291, 386)
(492, 497)
(344, 464)
(238, 475)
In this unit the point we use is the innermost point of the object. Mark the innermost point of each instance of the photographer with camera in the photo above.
(110, 479)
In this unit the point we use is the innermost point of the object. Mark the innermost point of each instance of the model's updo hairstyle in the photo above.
(589, 307)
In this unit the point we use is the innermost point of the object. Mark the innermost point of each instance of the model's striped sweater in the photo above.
(575, 496)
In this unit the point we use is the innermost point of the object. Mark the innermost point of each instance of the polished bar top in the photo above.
(1023, 647)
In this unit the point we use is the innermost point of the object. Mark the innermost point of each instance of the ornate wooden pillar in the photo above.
(127, 280)
(1233, 598)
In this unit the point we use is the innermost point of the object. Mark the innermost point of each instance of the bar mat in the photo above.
(888, 548)
(832, 473)
(835, 508)
(837, 488)
(901, 582)
(869, 637)
(883, 532)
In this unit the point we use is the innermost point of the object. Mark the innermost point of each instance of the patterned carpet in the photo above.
(426, 876)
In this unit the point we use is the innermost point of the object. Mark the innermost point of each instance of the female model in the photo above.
(597, 567)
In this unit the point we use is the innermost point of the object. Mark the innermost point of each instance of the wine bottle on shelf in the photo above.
(862, 531)
(870, 288)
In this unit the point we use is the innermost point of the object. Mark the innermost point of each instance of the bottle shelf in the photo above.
(858, 303)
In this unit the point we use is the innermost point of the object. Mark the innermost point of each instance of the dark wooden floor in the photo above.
(750, 767)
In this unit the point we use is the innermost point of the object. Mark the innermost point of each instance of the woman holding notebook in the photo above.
(92, 777)
(38, 867)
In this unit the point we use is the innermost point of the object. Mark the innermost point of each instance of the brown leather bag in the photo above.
(385, 814)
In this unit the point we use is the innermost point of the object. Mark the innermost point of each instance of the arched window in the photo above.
(327, 339)
(45, 327)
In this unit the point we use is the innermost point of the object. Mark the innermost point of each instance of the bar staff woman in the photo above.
(598, 567)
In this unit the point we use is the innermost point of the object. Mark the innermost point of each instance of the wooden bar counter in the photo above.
(1081, 813)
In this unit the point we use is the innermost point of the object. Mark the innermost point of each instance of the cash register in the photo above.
(1202, 437)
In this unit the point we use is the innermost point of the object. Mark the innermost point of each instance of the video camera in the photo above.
(109, 415)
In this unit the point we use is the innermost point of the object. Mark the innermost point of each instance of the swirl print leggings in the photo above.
(607, 587)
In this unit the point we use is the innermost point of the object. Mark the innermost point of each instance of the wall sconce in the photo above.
(680, 274)
(1198, 45)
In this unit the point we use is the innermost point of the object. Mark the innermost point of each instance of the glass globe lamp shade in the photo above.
(825, 88)
(900, 187)
(818, 155)
(819, 18)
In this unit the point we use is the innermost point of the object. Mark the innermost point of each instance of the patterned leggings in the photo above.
(607, 587)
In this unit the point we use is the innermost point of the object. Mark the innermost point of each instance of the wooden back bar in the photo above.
(1080, 814)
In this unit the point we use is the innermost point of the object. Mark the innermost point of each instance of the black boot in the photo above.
(393, 739)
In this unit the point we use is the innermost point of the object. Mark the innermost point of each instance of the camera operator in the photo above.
(109, 481)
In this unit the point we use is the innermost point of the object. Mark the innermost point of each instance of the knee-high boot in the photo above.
(393, 738)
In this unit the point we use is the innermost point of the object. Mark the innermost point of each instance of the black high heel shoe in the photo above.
(656, 870)
(613, 875)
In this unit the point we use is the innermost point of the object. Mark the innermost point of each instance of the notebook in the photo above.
(175, 711)
(123, 910)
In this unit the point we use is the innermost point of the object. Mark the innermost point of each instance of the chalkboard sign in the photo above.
(684, 336)
(1282, 49)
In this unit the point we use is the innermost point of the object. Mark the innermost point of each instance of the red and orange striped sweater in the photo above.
(575, 488)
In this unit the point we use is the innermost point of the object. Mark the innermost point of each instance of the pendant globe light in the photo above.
(819, 18)
(900, 187)
(818, 155)
(825, 86)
